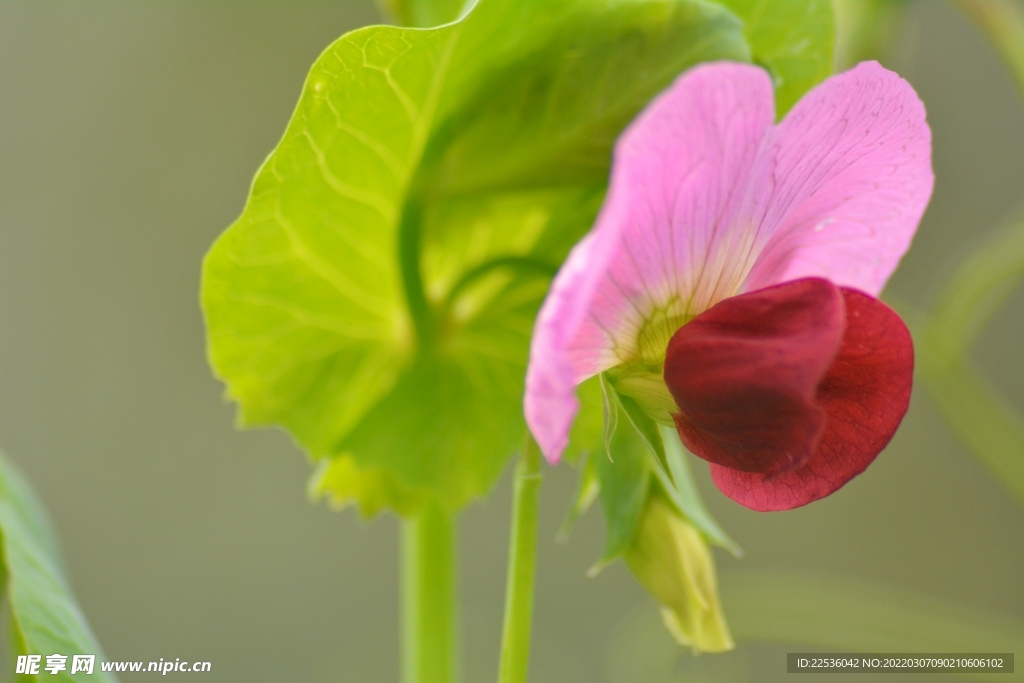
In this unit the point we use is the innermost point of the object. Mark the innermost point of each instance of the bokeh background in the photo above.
(129, 133)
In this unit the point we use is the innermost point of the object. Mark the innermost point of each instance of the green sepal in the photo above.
(624, 475)
(646, 428)
(646, 450)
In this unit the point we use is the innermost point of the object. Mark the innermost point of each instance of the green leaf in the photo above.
(981, 417)
(793, 39)
(682, 491)
(856, 615)
(377, 295)
(45, 617)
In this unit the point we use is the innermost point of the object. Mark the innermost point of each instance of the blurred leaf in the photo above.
(683, 492)
(423, 13)
(45, 617)
(395, 245)
(793, 39)
(981, 417)
(858, 616)
(988, 424)
(866, 29)
(1002, 21)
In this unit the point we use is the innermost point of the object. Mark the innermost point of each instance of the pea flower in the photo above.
(729, 283)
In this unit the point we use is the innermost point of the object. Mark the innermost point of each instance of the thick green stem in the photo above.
(522, 563)
(429, 614)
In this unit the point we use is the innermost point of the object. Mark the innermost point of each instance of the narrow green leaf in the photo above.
(981, 417)
(855, 615)
(45, 617)
(586, 493)
(684, 494)
(377, 295)
(793, 39)
(624, 478)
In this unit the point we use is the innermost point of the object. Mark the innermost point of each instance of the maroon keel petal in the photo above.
(746, 372)
(864, 394)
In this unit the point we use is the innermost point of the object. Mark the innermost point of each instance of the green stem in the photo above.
(522, 264)
(409, 235)
(1003, 24)
(429, 619)
(522, 562)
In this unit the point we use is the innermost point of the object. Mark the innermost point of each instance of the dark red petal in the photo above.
(745, 375)
(865, 394)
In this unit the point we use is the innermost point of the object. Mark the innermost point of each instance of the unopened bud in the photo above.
(672, 561)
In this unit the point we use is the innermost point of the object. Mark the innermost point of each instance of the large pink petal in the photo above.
(679, 231)
(550, 401)
(852, 178)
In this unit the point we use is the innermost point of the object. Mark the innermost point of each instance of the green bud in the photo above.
(672, 561)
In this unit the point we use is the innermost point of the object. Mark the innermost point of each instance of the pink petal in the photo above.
(851, 181)
(679, 231)
(550, 402)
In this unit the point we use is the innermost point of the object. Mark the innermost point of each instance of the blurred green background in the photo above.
(129, 133)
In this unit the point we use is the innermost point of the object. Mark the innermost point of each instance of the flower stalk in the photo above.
(522, 563)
